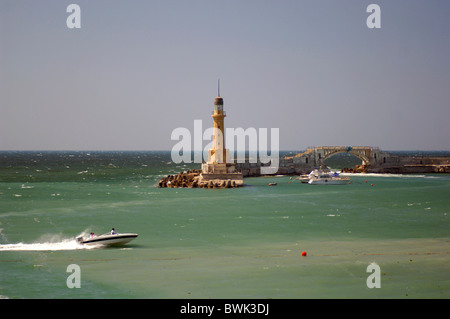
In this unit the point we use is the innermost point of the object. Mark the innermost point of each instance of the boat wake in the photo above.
(49, 243)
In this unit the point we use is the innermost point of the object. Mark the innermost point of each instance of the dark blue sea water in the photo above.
(217, 243)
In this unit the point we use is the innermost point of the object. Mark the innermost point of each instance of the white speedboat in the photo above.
(326, 178)
(116, 239)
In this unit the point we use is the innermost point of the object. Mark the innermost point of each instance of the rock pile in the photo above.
(193, 179)
(356, 169)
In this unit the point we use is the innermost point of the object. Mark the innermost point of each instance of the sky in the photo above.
(137, 70)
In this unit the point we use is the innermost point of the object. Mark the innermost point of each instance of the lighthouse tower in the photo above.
(218, 167)
(218, 154)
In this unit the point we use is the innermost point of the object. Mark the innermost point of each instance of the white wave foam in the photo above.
(383, 175)
(49, 243)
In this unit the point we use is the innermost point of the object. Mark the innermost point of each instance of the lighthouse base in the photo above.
(227, 180)
(201, 179)
(221, 174)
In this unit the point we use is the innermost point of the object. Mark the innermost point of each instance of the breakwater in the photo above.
(376, 162)
(195, 179)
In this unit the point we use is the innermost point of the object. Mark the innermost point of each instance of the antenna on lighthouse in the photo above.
(218, 87)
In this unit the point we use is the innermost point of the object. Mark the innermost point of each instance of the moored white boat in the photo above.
(304, 178)
(326, 178)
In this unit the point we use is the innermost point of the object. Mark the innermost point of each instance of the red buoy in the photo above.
(303, 253)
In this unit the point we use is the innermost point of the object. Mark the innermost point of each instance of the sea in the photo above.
(379, 236)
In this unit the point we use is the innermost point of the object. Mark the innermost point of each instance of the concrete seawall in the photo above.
(408, 165)
(392, 164)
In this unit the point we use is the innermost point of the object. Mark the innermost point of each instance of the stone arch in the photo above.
(361, 152)
(315, 156)
(365, 160)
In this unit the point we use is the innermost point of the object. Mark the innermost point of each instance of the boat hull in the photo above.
(109, 240)
(320, 177)
(328, 182)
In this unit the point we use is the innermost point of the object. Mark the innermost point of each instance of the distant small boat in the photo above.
(109, 239)
(273, 184)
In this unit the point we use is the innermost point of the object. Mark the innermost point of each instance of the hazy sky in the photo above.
(136, 70)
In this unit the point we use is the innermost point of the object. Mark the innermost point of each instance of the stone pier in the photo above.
(197, 179)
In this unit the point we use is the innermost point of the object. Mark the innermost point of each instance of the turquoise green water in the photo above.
(216, 243)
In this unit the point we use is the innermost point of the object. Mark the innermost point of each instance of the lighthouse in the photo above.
(218, 154)
(218, 171)
(218, 168)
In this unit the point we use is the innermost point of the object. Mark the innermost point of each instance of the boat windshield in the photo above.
(109, 233)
